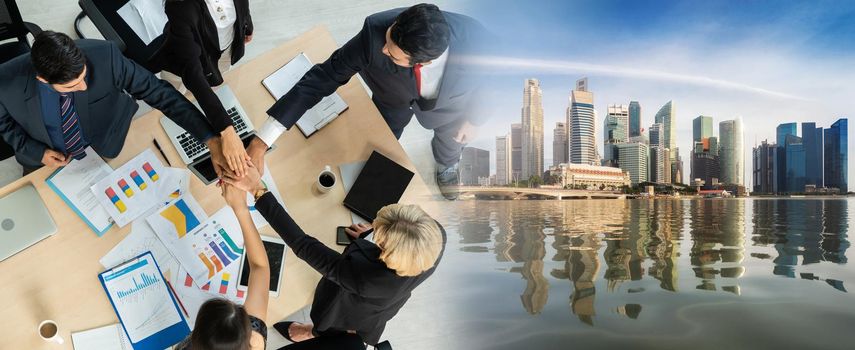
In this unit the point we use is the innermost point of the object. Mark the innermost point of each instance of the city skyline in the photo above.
(780, 64)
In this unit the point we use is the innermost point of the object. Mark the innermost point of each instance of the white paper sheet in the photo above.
(110, 337)
(74, 181)
(349, 173)
(135, 187)
(145, 17)
(142, 239)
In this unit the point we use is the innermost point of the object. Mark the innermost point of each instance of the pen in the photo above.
(157, 145)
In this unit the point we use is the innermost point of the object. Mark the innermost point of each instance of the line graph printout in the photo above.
(141, 298)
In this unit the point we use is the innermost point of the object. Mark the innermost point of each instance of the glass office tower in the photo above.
(812, 141)
(836, 155)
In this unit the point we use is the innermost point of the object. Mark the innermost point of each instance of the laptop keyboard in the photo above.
(194, 148)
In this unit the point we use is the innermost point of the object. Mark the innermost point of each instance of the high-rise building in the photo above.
(474, 166)
(532, 129)
(795, 164)
(812, 141)
(676, 166)
(559, 144)
(836, 155)
(581, 123)
(516, 153)
(731, 152)
(705, 168)
(763, 168)
(783, 130)
(615, 131)
(634, 158)
(660, 164)
(656, 133)
(634, 119)
(503, 160)
(702, 128)
(667, 117)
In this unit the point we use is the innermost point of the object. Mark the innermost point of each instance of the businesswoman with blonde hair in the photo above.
(365, 286)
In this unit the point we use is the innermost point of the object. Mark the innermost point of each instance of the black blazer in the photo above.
(191, 50)
(357, 291)
(393, 86)
(105, 109)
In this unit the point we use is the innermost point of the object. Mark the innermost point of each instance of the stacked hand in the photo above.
(249, 183)
(233, 152)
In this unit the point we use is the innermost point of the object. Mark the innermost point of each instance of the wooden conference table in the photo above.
(57, 278)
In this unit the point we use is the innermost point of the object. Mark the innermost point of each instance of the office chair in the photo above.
(14, 30)
(105, 17)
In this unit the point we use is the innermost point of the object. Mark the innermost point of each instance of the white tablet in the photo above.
(275, 248)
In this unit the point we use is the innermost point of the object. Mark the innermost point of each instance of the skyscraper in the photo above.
(763, 169)
(701, 128)
(656, 133)
(559, 144)
(634, 158)
(795, 164)
(676, 166)
(503, 160)
(516, 153)
(783, 130)
(782, 142)
(812, 141)
(474, 166)
(731, 153)
(532, 129)
(581, 122)
(666, 116)
(836, 155)
(615, 131)
(634, 119)
(660, 164)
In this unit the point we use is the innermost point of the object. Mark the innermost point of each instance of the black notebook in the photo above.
(381, 182)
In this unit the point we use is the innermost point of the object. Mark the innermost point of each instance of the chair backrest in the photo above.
(105, 16)
(11, 23)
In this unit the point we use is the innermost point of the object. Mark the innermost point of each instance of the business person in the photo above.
(365, 286)
(409, 58)
(222, 324)
(203, 39)
(64, 96)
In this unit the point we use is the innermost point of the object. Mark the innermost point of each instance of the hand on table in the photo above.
(233, 151)
(53, 158)
(356, 230)
(256, 150)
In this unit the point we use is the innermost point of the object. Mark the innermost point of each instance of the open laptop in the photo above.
(195, 154)
(24, 221)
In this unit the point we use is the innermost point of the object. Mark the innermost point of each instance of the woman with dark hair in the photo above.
(222, 324)
(203, 38)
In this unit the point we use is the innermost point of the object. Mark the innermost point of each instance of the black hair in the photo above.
(56, 57)
(221, 325)
(421, 32)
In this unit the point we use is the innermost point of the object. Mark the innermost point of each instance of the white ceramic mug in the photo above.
(326, 180)
(49, 331)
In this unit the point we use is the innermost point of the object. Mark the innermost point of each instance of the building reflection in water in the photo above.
(638, 235)
(813, 230)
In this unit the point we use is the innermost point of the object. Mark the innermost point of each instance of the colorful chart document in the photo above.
(203, 246)
(73, 182)
(136, 187)
(147, 310)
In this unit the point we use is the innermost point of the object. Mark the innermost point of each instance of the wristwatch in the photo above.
(259, 192)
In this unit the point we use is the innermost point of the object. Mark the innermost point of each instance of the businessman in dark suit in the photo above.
(410, 59)
(64, 96)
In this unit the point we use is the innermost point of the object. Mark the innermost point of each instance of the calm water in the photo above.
(708, 274)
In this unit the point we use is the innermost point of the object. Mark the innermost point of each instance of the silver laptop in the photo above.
(195, 154)
(24, 221)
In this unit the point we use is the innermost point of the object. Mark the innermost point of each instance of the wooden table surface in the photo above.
(57, 278)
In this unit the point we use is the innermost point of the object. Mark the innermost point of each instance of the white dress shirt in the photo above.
(431, 76)
(224, 15)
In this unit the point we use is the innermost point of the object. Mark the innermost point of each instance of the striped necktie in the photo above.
(71, 132)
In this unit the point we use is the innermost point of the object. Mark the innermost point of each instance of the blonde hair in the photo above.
(408, 237)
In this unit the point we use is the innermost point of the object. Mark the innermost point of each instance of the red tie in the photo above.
(418, 70)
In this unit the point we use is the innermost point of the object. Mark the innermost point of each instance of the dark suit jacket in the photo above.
(191, 50)
(393, 86)
(357, 291)
(104, 110)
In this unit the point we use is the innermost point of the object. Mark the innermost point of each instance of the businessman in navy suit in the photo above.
(66, 95)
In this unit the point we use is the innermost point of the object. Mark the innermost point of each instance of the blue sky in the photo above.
(768, 62)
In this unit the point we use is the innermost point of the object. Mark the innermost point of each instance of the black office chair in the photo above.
(105, 17)
(13, 43)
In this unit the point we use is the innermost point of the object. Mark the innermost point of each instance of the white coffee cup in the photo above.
(326, 180)
(49, 331)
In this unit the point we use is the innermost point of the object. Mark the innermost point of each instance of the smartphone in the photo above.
(341, 237)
